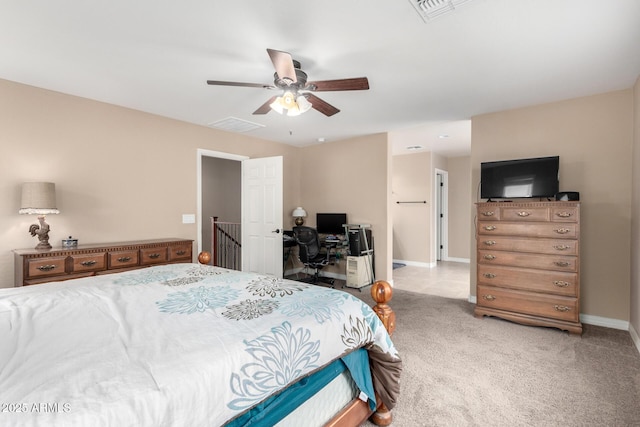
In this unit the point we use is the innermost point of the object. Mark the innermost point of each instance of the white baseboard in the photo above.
(634, 336)
(463, 260)
(604, 321)
(415, 263)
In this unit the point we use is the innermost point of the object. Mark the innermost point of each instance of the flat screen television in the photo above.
(330, 223)
(520, 178)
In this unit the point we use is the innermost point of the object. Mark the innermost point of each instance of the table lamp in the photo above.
(39, 198)
(299, 214)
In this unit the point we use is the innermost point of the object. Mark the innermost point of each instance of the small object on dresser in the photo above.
(69, 243)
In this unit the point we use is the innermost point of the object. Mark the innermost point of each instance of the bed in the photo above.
(194, 345)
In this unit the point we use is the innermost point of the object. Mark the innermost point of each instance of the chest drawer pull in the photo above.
(154, 256)
(562, 230)
(523, 214)
(561, 247)
(88, 263)
(124, 259)
(489, 275)
(489, 242)
(488, 297)
(562, 308)
(561, 283)
(488, 213)
(181, 252)
(489, 227)
(47, 267)
(561, 263)
(564, 214)
(489, 257)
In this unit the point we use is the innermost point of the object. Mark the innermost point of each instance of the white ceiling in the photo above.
(426, 79)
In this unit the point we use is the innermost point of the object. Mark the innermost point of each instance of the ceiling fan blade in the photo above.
(358, 83)
(322, 106)
(221, 83)
(266, 107)
(283, 64)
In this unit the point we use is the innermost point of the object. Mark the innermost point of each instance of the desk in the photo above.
(288, 243)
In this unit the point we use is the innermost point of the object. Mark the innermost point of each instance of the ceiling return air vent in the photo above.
(233, 124)
(431, 9)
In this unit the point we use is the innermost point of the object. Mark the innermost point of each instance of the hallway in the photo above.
(449, 279)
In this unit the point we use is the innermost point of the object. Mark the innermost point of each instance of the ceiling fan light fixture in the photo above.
(290, 104)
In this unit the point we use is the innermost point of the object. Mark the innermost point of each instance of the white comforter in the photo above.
(177, 345)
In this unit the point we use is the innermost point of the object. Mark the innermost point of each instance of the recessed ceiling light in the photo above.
(414, 147)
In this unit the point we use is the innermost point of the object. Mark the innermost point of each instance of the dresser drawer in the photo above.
(521, 259)
(551, 230)
(122, 259)
(550, 282)
(565, 214)
(42, 267)
(153, 255)
(525, 214)
(88, 262)
(489, 214)
(542, 246)
(180, 252)
(550, 306)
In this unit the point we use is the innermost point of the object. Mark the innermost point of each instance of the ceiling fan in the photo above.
(297, 96)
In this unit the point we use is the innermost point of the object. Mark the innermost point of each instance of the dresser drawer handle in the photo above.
(489, 242)
(488, 213)
(561, 247)
(489, 257)
(564, 214)
(154, 256)
(562, 230)
(489, 227)
(561, 263)
(523, 214)
(88, 263)
(124, 259)
(47, 267)
(561, 283)
(562, 308)
(488, 297)
(489, 275)
(181, 252)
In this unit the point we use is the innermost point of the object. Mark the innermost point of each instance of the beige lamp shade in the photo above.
(38, 198)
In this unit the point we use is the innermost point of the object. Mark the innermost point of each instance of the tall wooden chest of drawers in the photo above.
(528, 258)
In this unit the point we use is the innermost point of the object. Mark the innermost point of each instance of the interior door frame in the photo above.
(441, 222)
(200, 153)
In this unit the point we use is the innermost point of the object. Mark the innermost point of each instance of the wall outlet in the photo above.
(188, 218)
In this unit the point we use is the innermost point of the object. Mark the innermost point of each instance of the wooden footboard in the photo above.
(357, 412)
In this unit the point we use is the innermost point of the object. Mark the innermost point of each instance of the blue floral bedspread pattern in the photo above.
(231, 338)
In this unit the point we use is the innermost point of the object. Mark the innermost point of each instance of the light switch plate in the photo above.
(188, 218)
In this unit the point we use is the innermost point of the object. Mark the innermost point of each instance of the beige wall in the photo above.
(635, 220)
(411, 181)
(593, 137)
(351, 176)
(459, 172)
(120, 174)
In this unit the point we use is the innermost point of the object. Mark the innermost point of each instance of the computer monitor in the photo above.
(330, 223)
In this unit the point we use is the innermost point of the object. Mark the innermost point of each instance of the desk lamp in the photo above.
(299, 214)
(39, 198)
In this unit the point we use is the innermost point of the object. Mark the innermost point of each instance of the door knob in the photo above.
(277, 231)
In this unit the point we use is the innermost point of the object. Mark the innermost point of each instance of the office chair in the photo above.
(309, 253)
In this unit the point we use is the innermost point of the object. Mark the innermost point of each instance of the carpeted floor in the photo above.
(464, 371)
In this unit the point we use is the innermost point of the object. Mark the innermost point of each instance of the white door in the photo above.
(262, 215)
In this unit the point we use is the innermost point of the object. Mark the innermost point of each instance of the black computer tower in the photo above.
(357, 243)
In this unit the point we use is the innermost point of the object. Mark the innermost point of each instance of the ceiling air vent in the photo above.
(232, 124)
(431, 9)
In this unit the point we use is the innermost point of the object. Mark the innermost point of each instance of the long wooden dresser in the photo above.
(33, 267)
(528, 267)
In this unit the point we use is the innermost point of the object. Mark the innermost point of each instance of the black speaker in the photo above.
(565, 196)
(357, 241)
